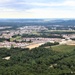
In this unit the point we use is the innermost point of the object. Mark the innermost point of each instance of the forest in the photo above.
(37, 61)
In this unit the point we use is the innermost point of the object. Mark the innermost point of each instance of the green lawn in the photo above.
(16, 38)
(63, 48)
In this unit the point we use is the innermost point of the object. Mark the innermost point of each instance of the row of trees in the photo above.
(42, 34)
(49, 44)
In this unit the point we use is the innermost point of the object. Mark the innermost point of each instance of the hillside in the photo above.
(37, 61)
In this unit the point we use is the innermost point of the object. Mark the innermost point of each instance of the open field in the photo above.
(34, 45)
(15, 38)
(63, 48)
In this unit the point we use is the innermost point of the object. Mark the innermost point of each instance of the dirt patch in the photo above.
(34, 45)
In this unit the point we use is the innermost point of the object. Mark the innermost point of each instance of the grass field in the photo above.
(63, 48)
(16, 38)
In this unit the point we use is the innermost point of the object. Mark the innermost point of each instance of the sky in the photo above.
(37, 8)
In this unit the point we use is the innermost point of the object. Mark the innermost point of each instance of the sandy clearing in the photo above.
(67, 42)
(7, 58)
(34, 45)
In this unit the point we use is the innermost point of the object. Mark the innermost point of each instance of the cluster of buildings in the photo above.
(31, 29)
(7, 34)
(6, 27)
(24, 44)
(7, 44)
(35, 28)
(22, 30)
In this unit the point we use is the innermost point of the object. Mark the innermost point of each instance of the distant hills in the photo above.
(20, 22)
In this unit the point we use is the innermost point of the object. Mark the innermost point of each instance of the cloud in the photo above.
(3, 9)
(38, 13)
(47, 4)
(4, 1)
(29, 4)
(69, 3)
(51, 13)
(37, 8)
